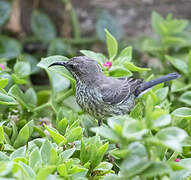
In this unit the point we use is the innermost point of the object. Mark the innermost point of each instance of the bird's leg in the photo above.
(99, 122)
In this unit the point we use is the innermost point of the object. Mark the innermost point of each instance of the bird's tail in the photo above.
(146, 85)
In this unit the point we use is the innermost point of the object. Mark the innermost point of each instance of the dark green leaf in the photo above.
(136, 161)
(22, 69)
(5, 9)
(182, 112)
(100, 58)
(10, 48)
(42, 27)
(106, 21)
(172, 137)
(186, 98)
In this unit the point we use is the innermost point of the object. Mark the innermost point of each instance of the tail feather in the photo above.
(146, 85)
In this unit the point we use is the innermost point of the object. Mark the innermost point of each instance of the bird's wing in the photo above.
(118, 90)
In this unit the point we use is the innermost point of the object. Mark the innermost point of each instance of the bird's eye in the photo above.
(72, 66)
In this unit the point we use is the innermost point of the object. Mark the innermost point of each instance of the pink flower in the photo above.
(108, 64)
(2, 67)
(177, 160)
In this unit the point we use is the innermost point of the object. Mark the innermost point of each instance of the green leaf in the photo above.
(131, 67)
(107, 21)
(10, 48)
(172, 137)
(67, 154)
(112, 45)
(22, 69)
(156, 169)
(1, 135)
(179, 64)
(6, 168)
(5, 10)
(189, 62)
(19, 153)
(19, 96)
(125, 55)
(74, 134)
(3, 82)
(119, 71)
(178, 86)
(62, 170)
(31, 96)
(7, 100)
(163, 120)
(183, 112)
(186, 98)
(162, 93)
(42, 27)
(100, 58)
(156, 20)
(53, 156)
(35, 160)
(58, 138)
(4, 157)
(45, 152)
(58, 46)
(136, 161)
(33, 62)
(45, 62)
(30, 173)
(103, 166)
(18, 80)
(23, 135)
(44, 172)
(98, 155)
(106, 132)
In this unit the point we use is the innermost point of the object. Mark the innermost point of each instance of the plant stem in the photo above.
(42, 106)
(74, 18)
(65, 95)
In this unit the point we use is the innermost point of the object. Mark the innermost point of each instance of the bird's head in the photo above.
(82, 68)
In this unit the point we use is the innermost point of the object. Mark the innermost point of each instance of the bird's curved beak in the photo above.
(58, 63)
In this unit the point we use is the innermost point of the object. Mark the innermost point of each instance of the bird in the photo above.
(102, 96)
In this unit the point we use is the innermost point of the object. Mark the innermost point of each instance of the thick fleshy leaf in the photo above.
(162, 121)
(162, 93)
(10, 48)
(131, 67)
(22, 69)
(156, 169)
(119, 71)
(24, 135)
(136, 160)
(5, 9)
(67, 154)
(58, 46)
(107, 21)
(3, 82)
(179, 64)
(103, 166)
(42, 27)
(183, 112)
(58, 138)
(186, 98)
(100, 58)
(7, 100)
(172, 137)
(112, 45)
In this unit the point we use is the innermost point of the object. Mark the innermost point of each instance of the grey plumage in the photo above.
(103, 96)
